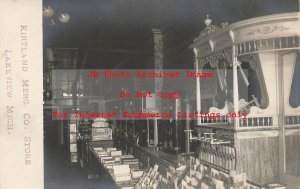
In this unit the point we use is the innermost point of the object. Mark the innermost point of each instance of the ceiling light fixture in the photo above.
(52, 18)
(48, 11)
(64, 17)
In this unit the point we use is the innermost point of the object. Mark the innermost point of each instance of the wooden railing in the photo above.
(253, 122)
(207, 120)
(292, 120)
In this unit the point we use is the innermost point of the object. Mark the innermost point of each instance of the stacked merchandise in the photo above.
(131, 161)
(115, 154)
(136, 174)
(101, 152)
(107, 157)
(152, 179)
(191, 174)
(204, 177)
(121, 173)
(122, 168)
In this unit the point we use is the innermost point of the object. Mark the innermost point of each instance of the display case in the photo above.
(72, 140)
(253, 60)
(101, 130)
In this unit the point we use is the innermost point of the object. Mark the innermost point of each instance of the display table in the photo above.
(98, 167)
(148, 156)
(84, 155)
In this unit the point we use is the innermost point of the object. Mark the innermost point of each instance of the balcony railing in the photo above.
(292, 120)
(253, 122)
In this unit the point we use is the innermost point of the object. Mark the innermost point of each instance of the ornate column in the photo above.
(235, 85)
(155, 133)
(158, 62)
(187, 131)
(198, 97)
(158, 82)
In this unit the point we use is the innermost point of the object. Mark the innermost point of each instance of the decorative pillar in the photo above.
(177, 130)
(158, 82)
(198, 97)
(158, 62)
(148, 132)
(61, 132)
(155, 133)
(187, 131)
(235, 85)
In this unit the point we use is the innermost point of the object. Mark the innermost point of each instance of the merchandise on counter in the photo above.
(191, 174)
(122, 168)
(126, 156)
(121, 173)
(100, 130)
(136, 174)
(115, 153)
(98, 148)
(152, 179)
(132, 162)
(111, 149)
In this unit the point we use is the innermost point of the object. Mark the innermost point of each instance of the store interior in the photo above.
(248, 132)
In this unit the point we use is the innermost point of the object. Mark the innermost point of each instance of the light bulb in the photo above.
(207, 21)
(48, 11)
(64, 17)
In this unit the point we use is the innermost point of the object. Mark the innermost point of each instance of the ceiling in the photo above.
(114, 31)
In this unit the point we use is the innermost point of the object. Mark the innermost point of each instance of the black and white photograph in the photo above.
(150, 94)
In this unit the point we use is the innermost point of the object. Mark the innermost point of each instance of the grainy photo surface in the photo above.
(150, 94)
